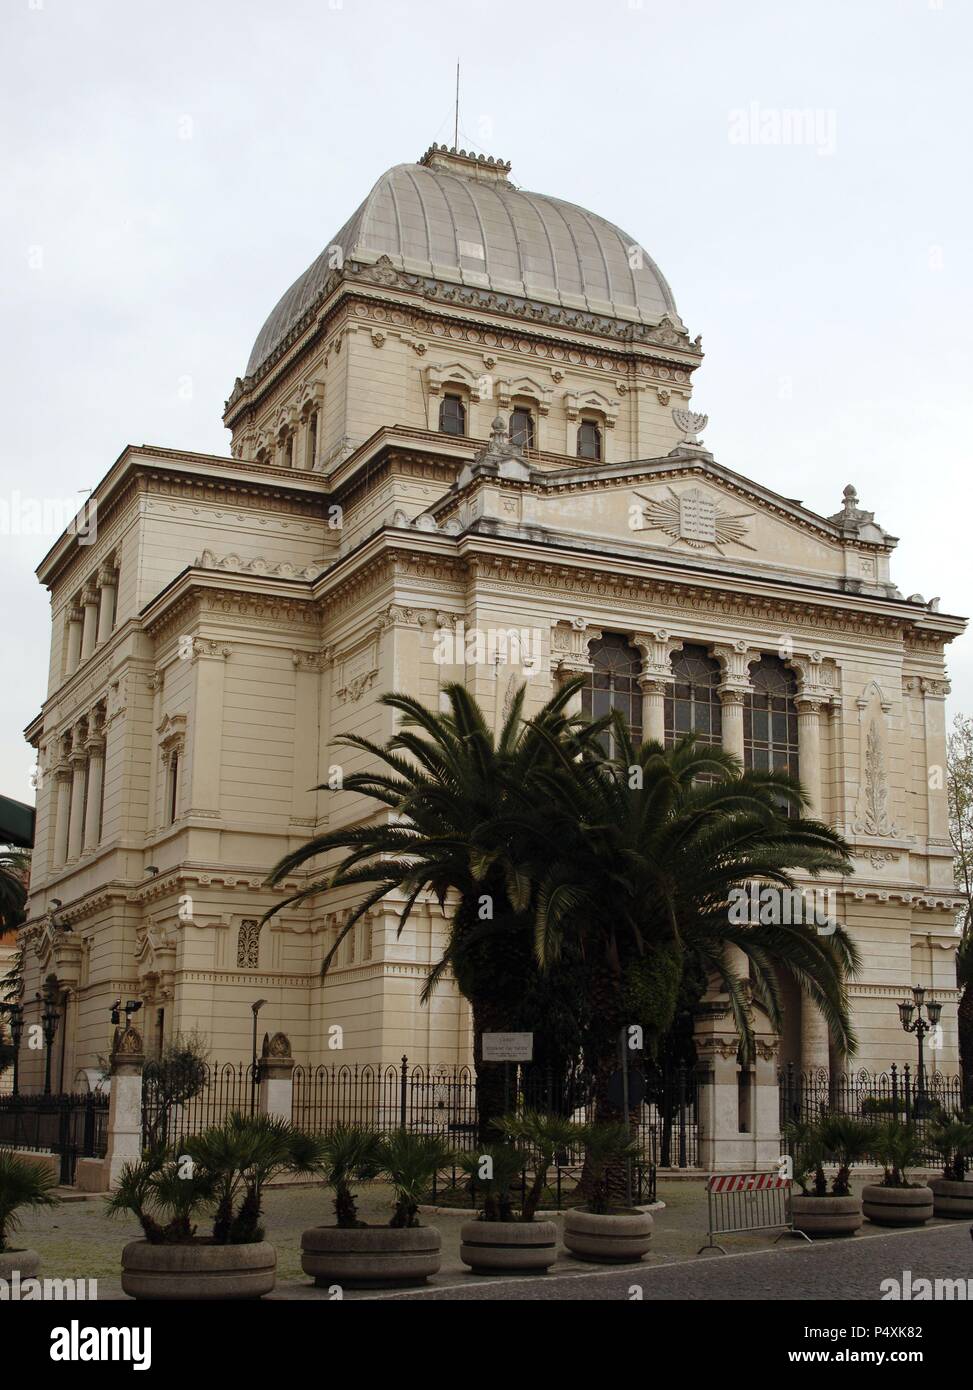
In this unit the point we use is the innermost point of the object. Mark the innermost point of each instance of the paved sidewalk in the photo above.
(76, 1240)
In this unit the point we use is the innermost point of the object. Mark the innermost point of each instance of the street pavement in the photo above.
(852, 1269)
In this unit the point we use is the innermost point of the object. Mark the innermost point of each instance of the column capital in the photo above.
(732, 694)
(656, 646)
(107, 576)
(817, 677)
(90, 596)
(206, 649)
(570, 639)
(75, 614)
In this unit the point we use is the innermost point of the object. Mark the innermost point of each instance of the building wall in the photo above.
(252, 632)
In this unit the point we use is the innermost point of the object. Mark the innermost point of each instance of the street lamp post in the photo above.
(920, 1026)
(256, 1006)
(16, 1013)
(49, 1021)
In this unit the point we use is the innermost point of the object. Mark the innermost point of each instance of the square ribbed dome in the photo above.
(458, 218)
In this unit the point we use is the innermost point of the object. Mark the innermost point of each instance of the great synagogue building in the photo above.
(461, 450)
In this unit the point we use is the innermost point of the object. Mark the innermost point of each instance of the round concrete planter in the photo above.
(198, 1271)
(371, 1256)
(28, 1262)
(951, 1198)
(897, 1206)
(826, 1216)
(622, 1236)
(524, 1246)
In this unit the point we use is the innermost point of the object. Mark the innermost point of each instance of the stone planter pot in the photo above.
(525, 1246)
(198, 1271)
(897, 1206)
(623, 1236)
(28, 1262)
(826, 1216)
(371, 1256)
(951, 1198)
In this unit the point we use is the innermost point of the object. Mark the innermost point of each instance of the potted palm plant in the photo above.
(895, 1201)
(501, 1238)
(603, 1230)
(23, 1186)
(220, 1173)
(952, 1139)
(354, 1254)
(845, 1141)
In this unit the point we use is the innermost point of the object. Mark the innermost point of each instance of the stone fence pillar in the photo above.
(276, 1077)
(125, 1106)
(739, 1107)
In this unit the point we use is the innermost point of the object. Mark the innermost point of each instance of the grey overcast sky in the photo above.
(168, 168)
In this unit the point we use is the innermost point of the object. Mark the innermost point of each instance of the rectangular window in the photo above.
(311, 450)
(172, 797)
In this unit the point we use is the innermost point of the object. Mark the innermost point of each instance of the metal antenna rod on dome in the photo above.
(456, 122)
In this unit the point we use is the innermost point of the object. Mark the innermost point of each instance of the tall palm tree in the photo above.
(14, 871)
(452, 787)
(645, 849)
(964, 1014)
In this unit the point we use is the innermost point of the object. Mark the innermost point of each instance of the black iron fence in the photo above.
(426, 1099)
(441, 1099)
(897, 1093)
(179, 1100)
(71, 1126)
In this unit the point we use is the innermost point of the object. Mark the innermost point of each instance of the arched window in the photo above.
(452, 415)
(770, 718)
(692, 705)
(589, 440)
(522, 428)
(613, 683)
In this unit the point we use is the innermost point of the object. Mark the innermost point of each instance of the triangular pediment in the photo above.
(688, 507)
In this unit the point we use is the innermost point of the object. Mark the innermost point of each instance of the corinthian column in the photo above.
(733, 689)
(809, 709)
(75, 624)
(108, 580)
(657, 647)
(570, 656)
(62, 813)
(79, 762)
(90, 602)
(732, 700)
(96, 771)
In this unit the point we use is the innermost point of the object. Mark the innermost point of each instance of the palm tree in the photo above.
(14, 873)
(645, 849)
(451, 788)
(410, 1162)
(964, 1014)
(543, 1137)
(847, 1141)
(23, 1185)
(352, 1153)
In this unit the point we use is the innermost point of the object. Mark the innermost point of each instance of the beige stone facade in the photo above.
(231, 616)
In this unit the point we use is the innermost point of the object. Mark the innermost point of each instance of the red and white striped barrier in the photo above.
(746, 1182)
